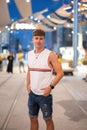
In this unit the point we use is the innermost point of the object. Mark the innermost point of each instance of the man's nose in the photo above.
(38, 40)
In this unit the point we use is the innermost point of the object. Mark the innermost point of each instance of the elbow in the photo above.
(61, 74)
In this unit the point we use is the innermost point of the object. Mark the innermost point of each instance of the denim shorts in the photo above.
(37, 102)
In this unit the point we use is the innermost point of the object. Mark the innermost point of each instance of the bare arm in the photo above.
(56, 66)
(53, 61)
(28, 81)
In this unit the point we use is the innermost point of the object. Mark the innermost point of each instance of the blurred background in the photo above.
(64, 21)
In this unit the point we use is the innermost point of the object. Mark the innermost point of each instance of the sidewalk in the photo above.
(69, 98)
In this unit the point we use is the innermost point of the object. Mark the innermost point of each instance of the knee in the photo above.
(34, 120)
(49, 121)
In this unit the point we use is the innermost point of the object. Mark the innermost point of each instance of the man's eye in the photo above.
(38, 38)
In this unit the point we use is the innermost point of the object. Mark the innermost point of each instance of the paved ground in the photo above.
(70, 103)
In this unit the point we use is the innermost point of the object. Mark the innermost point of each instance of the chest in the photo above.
(38, 62)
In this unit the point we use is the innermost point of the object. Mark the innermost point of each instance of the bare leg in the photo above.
(49, 124)
(23, 67)
(19, 67)
(34, 123)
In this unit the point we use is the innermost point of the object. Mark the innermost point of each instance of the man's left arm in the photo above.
(56, 67)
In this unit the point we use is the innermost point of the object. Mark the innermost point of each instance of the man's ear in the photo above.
(32, 39)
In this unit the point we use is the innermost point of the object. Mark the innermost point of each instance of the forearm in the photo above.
(28, 81)
(57, 78)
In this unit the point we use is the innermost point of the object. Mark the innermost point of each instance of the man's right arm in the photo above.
(28, 81)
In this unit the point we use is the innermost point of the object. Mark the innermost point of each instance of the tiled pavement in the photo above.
(69, 99)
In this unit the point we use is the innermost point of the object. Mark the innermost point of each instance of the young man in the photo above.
(40, 82)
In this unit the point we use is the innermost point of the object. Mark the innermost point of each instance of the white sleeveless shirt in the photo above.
(40, 72)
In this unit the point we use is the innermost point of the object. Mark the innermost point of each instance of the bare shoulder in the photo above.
(52, 56)
(55, 64)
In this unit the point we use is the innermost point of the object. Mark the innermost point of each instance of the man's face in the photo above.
(38, 41)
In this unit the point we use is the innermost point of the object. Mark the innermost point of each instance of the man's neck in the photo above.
(39, 50)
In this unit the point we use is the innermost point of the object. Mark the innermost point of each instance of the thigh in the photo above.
(46, 106)
(32, 105)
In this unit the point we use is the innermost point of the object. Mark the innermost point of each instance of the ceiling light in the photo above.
(7, 1)
(31, 17)
(27, 0)
(54, 28)
(38, 21)
(48, 16)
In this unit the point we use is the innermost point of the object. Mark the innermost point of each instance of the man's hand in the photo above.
(46, 91)
(28, 89)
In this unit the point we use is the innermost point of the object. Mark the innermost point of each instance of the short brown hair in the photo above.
(38, 32)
